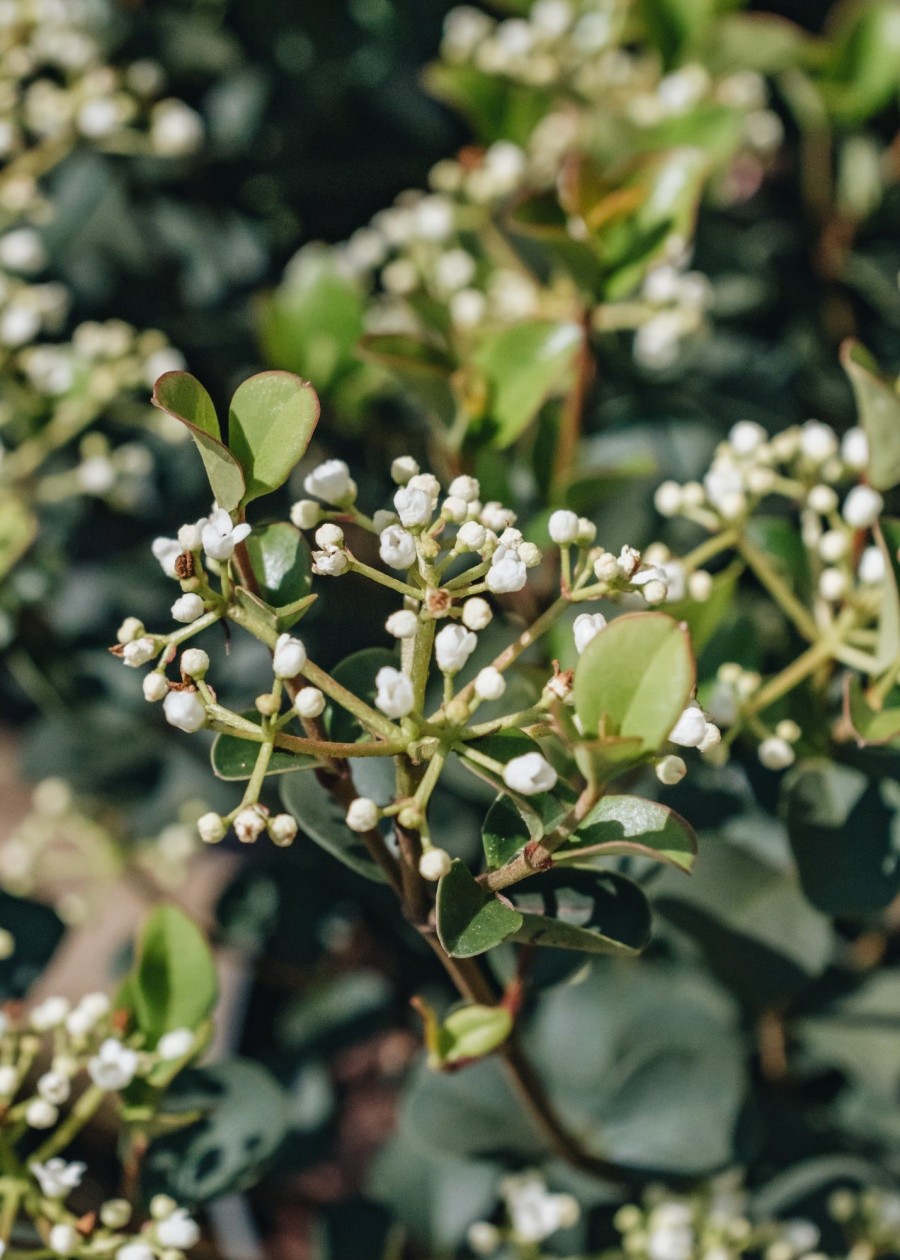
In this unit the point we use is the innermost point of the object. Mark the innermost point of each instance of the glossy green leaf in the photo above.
(878, 403)
(473, 1031)
(281, 562)
(470, 920)
(173, 984)
(523, 366)
(181, 395)
(870, 725)
(233, 758)
(675, 25)
(311, 324)
(506, 831)
(841, 832)
(418, 365)
(323, 821)
(591, 911)
(357, 673)
(862, 74)
(630, 825)
(270, 422)
(634, 679)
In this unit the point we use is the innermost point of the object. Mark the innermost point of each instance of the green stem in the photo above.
(779, 590)
(526, 639)
(709, 548)
(84, 1109)
(384, 579)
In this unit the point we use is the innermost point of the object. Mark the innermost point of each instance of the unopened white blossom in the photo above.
(471, 536)
(212, 828)
(489, 683)
(289, 656)
(331, 482)
(855, 449)
(309, 702)
(155, 687)
(585, 627)
(283, 829)
(414, 506)
(250, 823)
(529, 774)
(397, 547)
(185, 710)
(114, 1066)
(139, 652)
(306, 513)
(476, 613)
(690, 729)
(434, 864)
(862, 507)
(187, 608)
(63, 1239)
(507, 572)
(176, 1044)
(452, 648)
(393, 692)
(670, 770)
(178, 1230)
(362, 814)
(402, 624)
(776, 754)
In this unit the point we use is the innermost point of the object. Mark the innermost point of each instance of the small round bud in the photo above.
(855, 449)
(362, 814)
(306, 514)
(529, 774)
(711, 739)
(489, 683)
(690, 729)
(529, 554)
(476, 613)
(452, 648)
(700, 586)
(434, 864)
(283, 829)
(746, 437)
(788, 730)
(454, 509)
(250, 824)
(606, 567)
(776, 754)
(760, 481)
(185, 710)
(187, 609)
(587, 532)
(402, 624)
(155, 687)
(115, 1213)
(833, 545)
(211, 828)
(403, 469)
(176, 1044)
(329, 535)
(871, 566)
(411, 817)
(585, 627)
(162, 1206)
(654, 591)
(309, 702)
(668, 499)
(484, 1238)
(466, 488)
(130, 629)
(471, 536)
(563, 527)
(331, 482)
(139, 651)
(63, 1239)
(822, 499)
(194, 663)
(266, 704)
(832, 584)
(289, 657)
(670, 770)
(190, 538)
(40, 1114)
(862, 507)
(817, 441)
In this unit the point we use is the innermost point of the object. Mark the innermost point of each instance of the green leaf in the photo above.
(524, 365)
(181, 395)
(634, 679)
(630, 825)
(357, 673)
(173, 984)
(675, 25)
(704, 618)
(887, 648)
(879, 414)
(245, 1120)
(312, 322)
(233, 758)
(595, 912)
(323, 821)
(841, 831)
(473, 1031)
(505, 831)
(270, 421)
(863, 71)
(418, 365)
(755, 41)
(282, 563)
(470, 920)
(871, 726)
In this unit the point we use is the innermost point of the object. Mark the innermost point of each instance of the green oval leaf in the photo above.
(629, 825)
(233, 759)
(281, 562)
(879, 414)
(524, 365)
(870, 726)
(470, 920)
(181, 395)
(634, 679)
(598, 913)
(418, 365)
(270, 421)
(473, 1031)
(173, 984)
(323, 821)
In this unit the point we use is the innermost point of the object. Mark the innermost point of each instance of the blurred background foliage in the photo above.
(760, 1030)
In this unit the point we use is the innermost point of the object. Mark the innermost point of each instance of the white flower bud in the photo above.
(178, 1230)
(817, 441)
(190, 537)
(176, 1044)
(131, 628)
(309, 702)
(489, 683)
(606, 567)
(530, 554)
(434, 864)
(668, 499)
(289, 657)
(211, 828)
(690, 729)
(670, 770)
(822, 499)
(155, 687)
(394, 692)
(328, 536)
(454, 510)
(833, 545)
(655, 591)
(187, 608)
(54, 1088)
(855, 449)
(507, 572)
(452, 648)
(63, 1239)
(871, 566)
(330, 563)
(175, 128)
(194, 663)
(711, 739)
(9, 1081)
(139, 652)
(760, 481)
(832, 584)
(699, 584)
(115, 1214)
(629, 561)
(397, 547)
(382, 518)
(529, 774)
(413, 507)
(40, 1114)
(306, 514)
(862, 507)
(283, 829)
(476, 613)
(776, 754)
(402, 624)
(789, 730)
(587, 532)
(585, 627)
(49, 1014)
(185, 710)
(331, 482)
(464, 488)
(496, 517)
(403, 468)
(249, 824)
(563, 527)
(363, 814)
(161, 1206)
(471, 536)
(746, 437)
